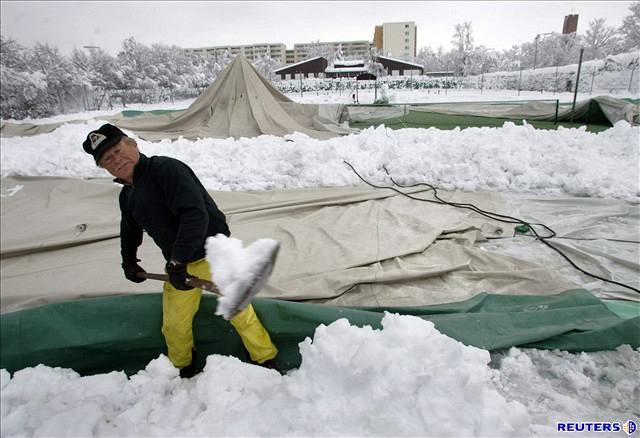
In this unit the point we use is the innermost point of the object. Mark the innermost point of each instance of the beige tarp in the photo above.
(239, 103)
(613, 108)
(355, 246)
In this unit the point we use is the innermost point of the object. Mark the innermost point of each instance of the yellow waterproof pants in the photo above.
(180, 306)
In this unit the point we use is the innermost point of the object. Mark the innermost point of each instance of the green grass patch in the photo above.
(420, 119)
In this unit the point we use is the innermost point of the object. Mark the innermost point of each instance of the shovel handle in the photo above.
(191, 281)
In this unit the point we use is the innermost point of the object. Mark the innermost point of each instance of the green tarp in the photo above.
(123, 332)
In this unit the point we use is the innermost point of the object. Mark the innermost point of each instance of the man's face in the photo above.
(120, 159)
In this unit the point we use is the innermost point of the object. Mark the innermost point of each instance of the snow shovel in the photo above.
(243, 291)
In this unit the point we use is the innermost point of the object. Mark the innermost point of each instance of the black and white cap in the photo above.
(101, 139)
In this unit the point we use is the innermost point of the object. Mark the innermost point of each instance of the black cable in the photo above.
(491, 215)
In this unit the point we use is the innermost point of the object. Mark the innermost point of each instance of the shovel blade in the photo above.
(230, 306)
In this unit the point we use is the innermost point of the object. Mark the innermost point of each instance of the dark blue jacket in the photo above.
(167, 201)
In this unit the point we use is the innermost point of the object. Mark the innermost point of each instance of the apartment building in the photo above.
(352, 49)
(396, 40)
(252, 52)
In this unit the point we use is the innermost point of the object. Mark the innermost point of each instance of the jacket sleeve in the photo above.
(130, 233)
(183, 197)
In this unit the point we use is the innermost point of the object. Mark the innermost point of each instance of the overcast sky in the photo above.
(498, 24)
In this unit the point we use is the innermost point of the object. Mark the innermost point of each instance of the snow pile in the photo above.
(558, 386)
(511, 158)
(422, 382)
(239, 273)
(406, 379)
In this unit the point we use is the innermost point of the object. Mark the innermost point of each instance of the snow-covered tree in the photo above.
(135, 60)
(265, 64)
(630, 29)
(60, 74)
(98, 67)
(316, 48)
(376, 69)
(428, 59)
(463, 47)
(338, 55)
(13, 54)
(599, 39)
(24, 91)
(483, 60)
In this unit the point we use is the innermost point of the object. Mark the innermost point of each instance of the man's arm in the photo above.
(130, 233)
(184, 199)
(130, 240)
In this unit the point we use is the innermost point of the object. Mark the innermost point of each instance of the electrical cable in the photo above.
(491, 215)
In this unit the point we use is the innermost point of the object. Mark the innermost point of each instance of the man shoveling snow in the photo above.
(163, 197)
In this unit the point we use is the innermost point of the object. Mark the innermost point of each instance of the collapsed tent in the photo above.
(602, 109)
(239, 103)
(342, 247)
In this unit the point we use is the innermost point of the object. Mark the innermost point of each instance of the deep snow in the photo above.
(406, 379)
(511, 158)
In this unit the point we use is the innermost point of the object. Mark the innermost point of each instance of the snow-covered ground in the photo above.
(511, 158)
(406, 379)
(368, 96)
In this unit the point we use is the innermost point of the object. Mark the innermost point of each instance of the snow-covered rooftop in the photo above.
(345, 69)
(402, 61)
(297, 63)
(350, 63)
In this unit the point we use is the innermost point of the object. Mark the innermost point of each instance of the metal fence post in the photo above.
(519, 79)
(575, 92)
(635, 65)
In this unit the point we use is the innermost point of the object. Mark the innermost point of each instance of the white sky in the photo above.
(497, 24)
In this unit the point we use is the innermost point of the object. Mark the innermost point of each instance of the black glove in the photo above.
(178, 275)
(131, 268)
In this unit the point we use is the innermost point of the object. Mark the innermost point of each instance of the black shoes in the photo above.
(190, 370)
(270, 363)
